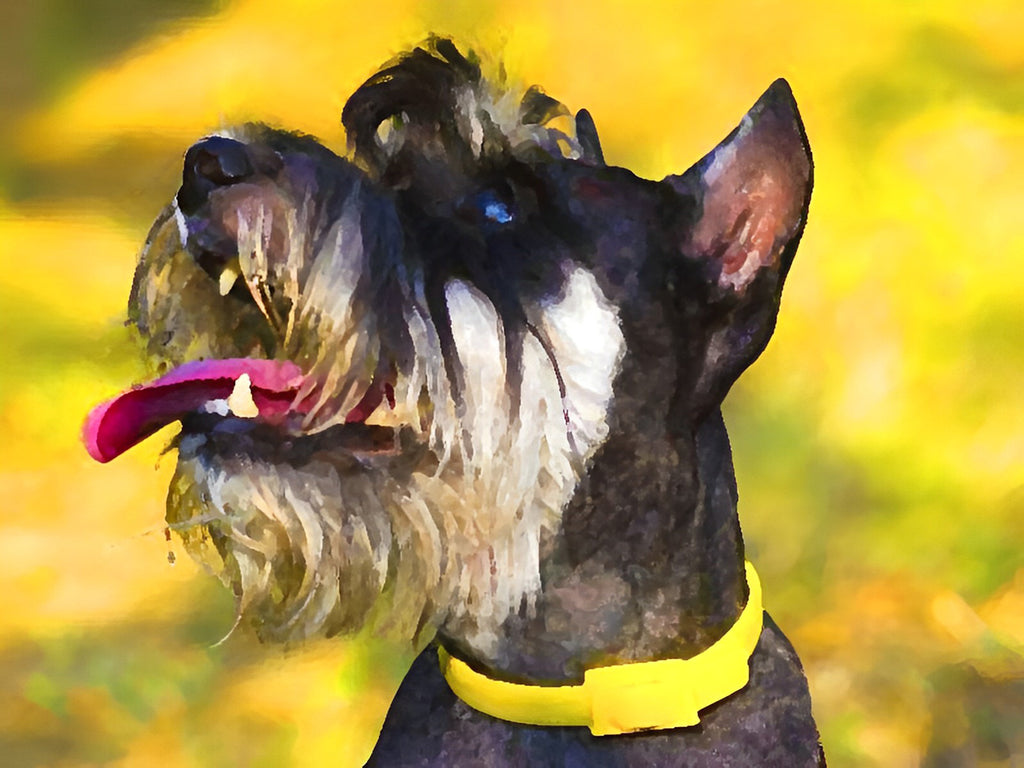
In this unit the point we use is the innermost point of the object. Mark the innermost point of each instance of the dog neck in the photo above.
(648, 563)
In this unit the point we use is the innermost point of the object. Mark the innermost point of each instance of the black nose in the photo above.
(210, 163)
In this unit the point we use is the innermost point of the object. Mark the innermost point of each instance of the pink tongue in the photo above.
(116, 425)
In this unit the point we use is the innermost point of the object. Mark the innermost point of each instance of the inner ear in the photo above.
(750, 197)
(753, 191)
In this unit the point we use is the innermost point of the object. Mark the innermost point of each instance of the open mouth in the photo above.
(273, 392)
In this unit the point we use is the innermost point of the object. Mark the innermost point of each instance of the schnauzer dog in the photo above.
(464, 386)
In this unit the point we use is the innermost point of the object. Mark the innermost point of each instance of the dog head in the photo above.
(392, 368)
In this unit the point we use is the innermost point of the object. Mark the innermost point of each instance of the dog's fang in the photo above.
(228, 278)
(240, 400)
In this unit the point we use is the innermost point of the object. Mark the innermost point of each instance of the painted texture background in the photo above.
(879, 442)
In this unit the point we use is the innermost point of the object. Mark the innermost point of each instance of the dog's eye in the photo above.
(494, 208)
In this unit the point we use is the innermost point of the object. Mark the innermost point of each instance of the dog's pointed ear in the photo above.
(750, 196)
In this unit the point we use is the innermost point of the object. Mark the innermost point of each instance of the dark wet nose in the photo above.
(210, 163)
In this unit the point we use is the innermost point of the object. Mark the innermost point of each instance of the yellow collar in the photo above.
(639, 696)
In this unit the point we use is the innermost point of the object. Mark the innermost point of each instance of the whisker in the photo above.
(546, 346)
(273, 318)
(297, 254)
(252, 260)
(328, 393)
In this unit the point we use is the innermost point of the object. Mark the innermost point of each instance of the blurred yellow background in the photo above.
(879, 442)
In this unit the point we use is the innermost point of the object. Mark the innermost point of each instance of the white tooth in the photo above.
(240, 400)
(219, 406)
(228, 278)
